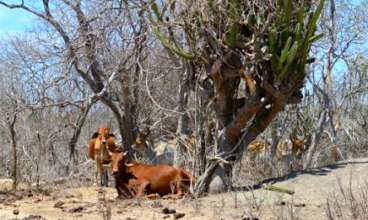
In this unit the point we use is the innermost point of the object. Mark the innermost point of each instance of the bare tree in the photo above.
(333, 50)
(236, 41)
(10, 110)
(87, 31)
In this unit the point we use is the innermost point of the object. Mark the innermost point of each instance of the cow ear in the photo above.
(95, 135)
(112, 135)
(129, 164)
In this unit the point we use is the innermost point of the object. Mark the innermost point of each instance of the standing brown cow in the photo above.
(99, 149)
(135, 179)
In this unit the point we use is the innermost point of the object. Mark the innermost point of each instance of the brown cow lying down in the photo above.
(135, 179)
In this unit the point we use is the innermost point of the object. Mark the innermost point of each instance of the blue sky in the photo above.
(14, 21)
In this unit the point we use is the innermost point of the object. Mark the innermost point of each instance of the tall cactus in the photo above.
(265, 45)
(166, 42)
(288, 37)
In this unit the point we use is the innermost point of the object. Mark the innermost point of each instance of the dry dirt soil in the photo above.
(309, 201)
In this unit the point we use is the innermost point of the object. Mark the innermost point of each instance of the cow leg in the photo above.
(120, 193)
(142, 188)
(96, 176)
(105, 177)
(99, 173)
(179, 189)
(179, 184)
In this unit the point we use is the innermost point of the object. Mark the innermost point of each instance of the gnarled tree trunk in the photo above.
(183, 121)
(235, 135)
(11, 120)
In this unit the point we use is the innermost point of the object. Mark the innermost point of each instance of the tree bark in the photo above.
(239, 125)
(230, 151)
(201, 143)
(183, 121)
(274, 140)
(77, 130)
(316, 136)
(13, 139)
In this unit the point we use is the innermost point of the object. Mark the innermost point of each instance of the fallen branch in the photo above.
(271, 187)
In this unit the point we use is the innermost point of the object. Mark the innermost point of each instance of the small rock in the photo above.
(37, 200)
(18, 195)
(16, 211)
(34, 217)
(3, 198)
(76, 209)
(168, 211)
(58, 204)
(282, 203)
(300, 205)
(249, 218)
(178, 215)
(165, 210)
(130, 218)
(166, 216)
(68, 196)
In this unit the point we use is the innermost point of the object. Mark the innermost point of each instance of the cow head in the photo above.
(140, 139)
(299, 146)
(118, 163)
(102, 137)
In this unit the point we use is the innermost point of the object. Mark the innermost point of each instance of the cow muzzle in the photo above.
(115, 173)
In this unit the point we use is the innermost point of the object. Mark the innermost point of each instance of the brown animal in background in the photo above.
(135, 179)
(294, 146)
(335, 154)
(299, 146)
(256, 148)
(162, 151)
(141, 143)
(99, 149)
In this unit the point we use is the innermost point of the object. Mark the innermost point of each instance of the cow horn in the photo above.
(125, 153)
(129, 164)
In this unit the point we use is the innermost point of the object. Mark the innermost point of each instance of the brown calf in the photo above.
(137, 179)
(99, 149)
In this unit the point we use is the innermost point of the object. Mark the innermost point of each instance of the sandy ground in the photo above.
(309, 201)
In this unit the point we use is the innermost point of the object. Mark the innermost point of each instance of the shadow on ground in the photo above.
(319, 171)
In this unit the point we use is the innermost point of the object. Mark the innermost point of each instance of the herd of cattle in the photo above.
(132, 178)
(158, 176)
